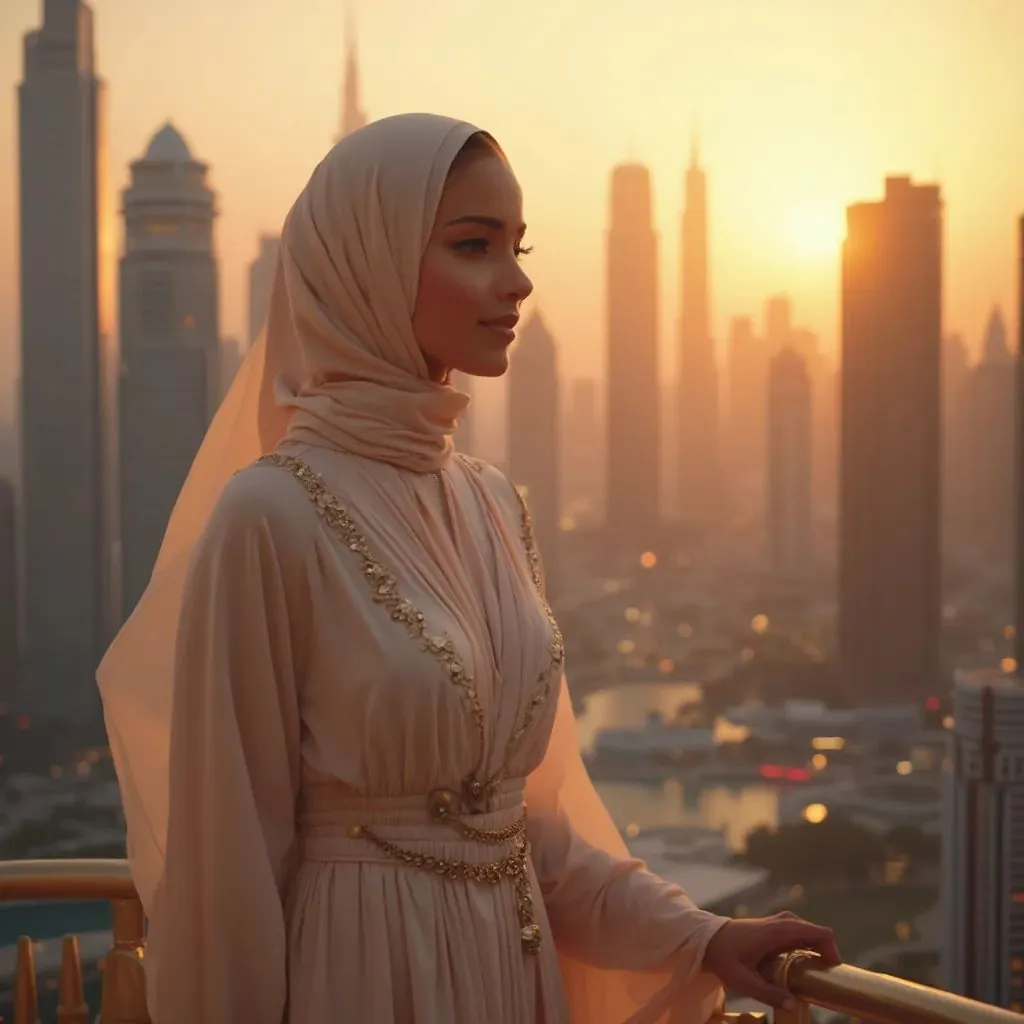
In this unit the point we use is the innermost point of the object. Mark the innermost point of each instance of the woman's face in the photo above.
(471, 283)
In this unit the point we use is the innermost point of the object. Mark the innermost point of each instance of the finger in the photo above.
(786, 915)
(829, 950)
(746, 982)
(799, 934)
(795, 932)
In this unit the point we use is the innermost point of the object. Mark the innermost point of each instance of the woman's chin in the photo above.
(495, 365)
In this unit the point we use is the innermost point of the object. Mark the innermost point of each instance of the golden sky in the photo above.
(802, 106)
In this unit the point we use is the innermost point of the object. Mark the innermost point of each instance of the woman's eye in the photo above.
(478, 245)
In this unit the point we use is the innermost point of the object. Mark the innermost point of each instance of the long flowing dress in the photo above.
(362, 821)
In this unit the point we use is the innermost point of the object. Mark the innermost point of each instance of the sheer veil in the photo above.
(338, 360)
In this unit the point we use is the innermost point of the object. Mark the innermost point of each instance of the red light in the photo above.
(932, 704)
(797, 774)
(23, 723)
(771, 771)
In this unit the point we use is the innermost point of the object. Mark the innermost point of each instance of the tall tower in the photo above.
(582, 446)
(790, 447)
(352, 114)
(170, 348)
(778, 324)
(534, 449)
(745, 419)
(261, 280)
(956, 448)
(66, 354)
(983, 825)
(633, 503)
(1018, 617)
(889, 550)
(698, 487)
(991, 405)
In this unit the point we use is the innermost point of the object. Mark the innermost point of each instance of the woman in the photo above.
(343, 682)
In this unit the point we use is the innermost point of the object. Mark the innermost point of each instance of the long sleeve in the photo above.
(217, 932)
(606, 909)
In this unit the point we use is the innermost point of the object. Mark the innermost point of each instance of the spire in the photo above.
(694, 147)
(352, 114)
(995, 349)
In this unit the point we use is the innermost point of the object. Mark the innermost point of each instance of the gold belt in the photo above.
(444, 808)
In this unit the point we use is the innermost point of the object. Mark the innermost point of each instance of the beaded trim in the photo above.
(386, 592)
(383, 582)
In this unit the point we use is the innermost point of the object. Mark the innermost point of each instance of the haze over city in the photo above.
(763, 413)
(800, 108)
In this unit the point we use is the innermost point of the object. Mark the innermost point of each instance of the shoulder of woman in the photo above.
(496, 482)
(261, 499)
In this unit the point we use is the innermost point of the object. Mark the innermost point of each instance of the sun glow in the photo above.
(816, 230)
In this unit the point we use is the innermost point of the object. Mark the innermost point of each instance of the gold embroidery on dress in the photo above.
(556, 647)
(515, 866)
(383, 583)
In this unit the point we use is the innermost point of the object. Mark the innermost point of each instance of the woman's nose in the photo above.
(521, 286)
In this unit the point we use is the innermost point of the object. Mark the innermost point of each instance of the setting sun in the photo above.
(816, 230)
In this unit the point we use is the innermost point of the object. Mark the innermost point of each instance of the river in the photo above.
(735, 809)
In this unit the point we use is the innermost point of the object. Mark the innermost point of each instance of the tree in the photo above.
(833, 850)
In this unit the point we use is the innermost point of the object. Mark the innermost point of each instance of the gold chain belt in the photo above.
(514, 867)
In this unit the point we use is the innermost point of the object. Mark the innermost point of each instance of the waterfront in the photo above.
(736, 809)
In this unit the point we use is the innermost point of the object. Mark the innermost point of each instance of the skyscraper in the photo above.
(889, 552)
(983, 825)
(10, 646)
(352, 114)
(991, 412)
(1019, 460)
(633, 490)
(790, 447)
(778, 324)
(170, 347)
(66, 356)
(534, 450)
(261, 280)
(582, 451)
(956, 447)
(698, 484)
(745, 417)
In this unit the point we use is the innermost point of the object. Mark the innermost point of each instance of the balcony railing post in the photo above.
(124, 978)
(71, 1006)
(26, 995)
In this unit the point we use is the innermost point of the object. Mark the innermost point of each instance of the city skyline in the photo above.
(764, 220)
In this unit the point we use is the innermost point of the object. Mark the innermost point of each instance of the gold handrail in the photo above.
(123, 994)
(95, 879)
(857, 993)
(866, 995)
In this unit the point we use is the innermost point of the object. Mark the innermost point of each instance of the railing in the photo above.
(866, 996)
(123, 998)
(858, 994)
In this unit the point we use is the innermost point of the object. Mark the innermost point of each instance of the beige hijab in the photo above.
(337, 364)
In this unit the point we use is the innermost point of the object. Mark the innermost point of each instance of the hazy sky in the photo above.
(802, 106)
